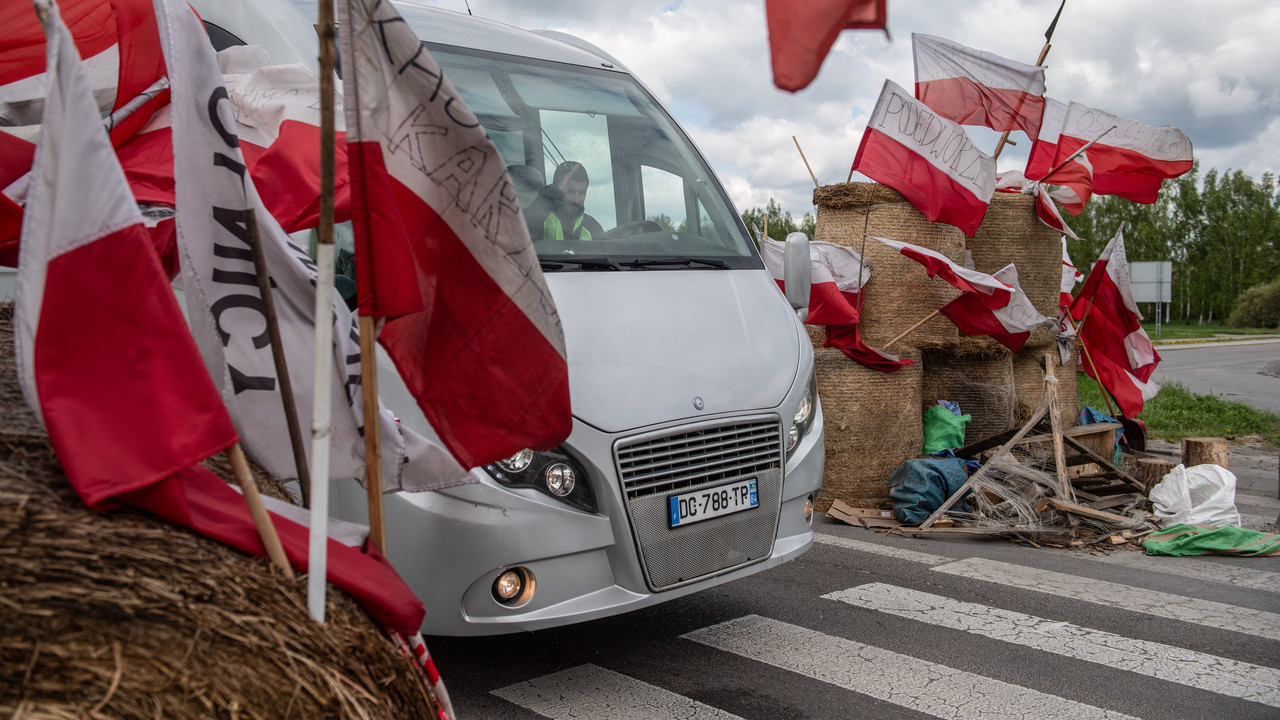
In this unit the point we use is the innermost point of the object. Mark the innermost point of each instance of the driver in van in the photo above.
(558, 212)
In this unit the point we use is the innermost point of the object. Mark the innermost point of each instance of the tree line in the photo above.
(1221, 233)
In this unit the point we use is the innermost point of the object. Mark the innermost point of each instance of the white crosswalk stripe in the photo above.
(590, 691)
(1199, 670)
(886, 550)
(1166, 605)
(1198, 569)
(908, 682)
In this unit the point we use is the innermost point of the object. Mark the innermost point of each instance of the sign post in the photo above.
(1152, 282)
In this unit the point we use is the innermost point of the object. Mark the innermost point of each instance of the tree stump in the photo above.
(1152, 470)
(1204, 451)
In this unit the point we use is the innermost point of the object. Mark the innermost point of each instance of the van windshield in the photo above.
(601, 171)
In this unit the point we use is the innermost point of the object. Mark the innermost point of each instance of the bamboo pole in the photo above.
(1044, 53)
(806, 162)
(317, 556)
(277, 354)
(261, 518)
(372, 436)
(908, 331)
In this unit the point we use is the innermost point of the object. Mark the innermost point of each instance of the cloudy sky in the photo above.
(1209, 69)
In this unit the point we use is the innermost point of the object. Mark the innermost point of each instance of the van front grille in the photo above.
(655, 466)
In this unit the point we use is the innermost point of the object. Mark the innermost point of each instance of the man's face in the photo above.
(575, 196)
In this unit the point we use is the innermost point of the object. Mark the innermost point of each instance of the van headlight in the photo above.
(803, 418)
(554, 472)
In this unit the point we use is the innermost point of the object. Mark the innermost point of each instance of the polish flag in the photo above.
(103, 353)
(990, 291)
(1075, 177)
(838, 274)
(1118, 352)
(801, 33)
(122, 59)
(974, 87)
(227, 313)
(1040, 160)
(1070, 278)
(1129, 158)
(1011, 324)
(442, 250)
(927, 158)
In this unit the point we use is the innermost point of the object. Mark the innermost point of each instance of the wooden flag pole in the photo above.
(261, 518)
(1044, 53)
(277, 354)
(372, 439)
(317, 556)
(1084, 350)
(806, 161)
(908, 331)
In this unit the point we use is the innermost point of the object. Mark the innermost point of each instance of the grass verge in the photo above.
(1179, 332)
(1176, 413)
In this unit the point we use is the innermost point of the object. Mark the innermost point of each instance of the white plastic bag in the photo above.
(1198, 495)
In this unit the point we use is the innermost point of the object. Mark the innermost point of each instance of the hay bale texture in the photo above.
(872, 424)
(1028, 382)
(981, 382)
(124, 615)
(1012, 233)
(899, 293)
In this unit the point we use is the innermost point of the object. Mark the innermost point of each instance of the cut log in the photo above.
(1152, 470)
(1204, 451)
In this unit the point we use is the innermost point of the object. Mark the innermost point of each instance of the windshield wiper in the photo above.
(586, 262)
(686, 261)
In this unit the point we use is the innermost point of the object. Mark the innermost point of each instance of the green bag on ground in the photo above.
(943, 429)
(1182, 540)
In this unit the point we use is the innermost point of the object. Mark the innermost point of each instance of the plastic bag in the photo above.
(942, 429)
(1198, 495)
(920, 485)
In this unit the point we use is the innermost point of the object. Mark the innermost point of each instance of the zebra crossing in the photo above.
(835, 655)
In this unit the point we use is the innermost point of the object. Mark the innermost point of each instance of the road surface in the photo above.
(1247, 370)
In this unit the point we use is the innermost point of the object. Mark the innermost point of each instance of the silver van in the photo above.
(697, 444)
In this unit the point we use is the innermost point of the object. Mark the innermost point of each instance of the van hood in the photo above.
(642, 345)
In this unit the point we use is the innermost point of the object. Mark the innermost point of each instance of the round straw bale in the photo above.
(899, 293)
(1028, 381)
(982, 385)
(124, 615)
(1011, 233)
(817, 335)
(872, 425)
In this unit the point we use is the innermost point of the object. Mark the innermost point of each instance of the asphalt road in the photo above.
(1245, 370)
(868, 625)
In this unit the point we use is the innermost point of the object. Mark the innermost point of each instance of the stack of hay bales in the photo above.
(1011, 233)
(873, 419)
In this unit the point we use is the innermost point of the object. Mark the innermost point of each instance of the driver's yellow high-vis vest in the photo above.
(552, 229)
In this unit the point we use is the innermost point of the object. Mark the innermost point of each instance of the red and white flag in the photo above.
(838, 274)
(227, 313)
(103, 354)
(443, 252)
(1118, 353)
(1129, 158)
(1040, 160)
(989, 290)
(1011, 324)
(1070, 278)
(801, 33)
(975, 87)
(122, 60)
(927, 158)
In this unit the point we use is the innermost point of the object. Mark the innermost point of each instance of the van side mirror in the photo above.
(797, 273)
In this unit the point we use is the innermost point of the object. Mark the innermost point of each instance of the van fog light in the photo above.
(808, 509)
(560, 479)
(513, 587)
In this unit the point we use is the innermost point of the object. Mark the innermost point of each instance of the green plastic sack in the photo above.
(1184, 540)
(943, 430)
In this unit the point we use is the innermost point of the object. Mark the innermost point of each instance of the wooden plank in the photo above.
(1101, 460)
(1114, 501)
(1085, 511)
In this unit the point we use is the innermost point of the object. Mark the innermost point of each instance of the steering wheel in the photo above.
(633, 228)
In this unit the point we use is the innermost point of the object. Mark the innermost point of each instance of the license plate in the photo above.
(699, 505)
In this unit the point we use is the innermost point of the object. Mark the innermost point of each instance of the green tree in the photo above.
(781, 223)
